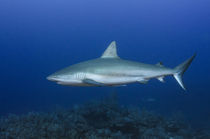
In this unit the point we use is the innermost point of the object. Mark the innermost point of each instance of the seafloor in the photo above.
(104, 119)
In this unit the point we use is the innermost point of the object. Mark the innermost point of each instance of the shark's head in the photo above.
(82, 74)
(65, 78)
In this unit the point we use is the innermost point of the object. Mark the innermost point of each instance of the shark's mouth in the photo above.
(63, 83)
(72, 83)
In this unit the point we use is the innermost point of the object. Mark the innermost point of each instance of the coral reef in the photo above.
(103, 119)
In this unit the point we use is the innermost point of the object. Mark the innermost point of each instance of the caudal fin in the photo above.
(180, 69)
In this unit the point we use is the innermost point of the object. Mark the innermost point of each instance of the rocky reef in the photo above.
(104, 119)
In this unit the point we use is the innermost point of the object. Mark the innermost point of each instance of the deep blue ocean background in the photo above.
(40, 37)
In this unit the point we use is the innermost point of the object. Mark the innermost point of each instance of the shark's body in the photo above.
(110, 70)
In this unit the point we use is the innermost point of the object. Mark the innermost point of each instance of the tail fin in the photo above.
(180, 69)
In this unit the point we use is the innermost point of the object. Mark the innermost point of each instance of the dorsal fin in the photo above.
(160, 64)
(111, 51)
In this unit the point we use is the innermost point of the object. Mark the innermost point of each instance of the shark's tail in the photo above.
(180, 69)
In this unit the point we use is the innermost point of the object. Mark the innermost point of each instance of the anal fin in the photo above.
(161, 79)
(143, 81)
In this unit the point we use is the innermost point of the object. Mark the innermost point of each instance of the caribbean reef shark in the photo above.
(111, 70)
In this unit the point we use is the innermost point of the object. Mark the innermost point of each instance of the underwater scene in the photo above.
(109, 69)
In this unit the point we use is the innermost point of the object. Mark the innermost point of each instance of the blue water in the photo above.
(40, 37)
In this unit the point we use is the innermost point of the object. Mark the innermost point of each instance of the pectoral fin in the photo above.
(92, 82)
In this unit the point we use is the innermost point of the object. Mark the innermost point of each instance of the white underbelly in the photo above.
(111, 80)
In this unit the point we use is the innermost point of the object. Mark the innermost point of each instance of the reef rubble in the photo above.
(104, 119)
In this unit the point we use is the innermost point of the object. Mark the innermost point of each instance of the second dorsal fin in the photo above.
(160, 64)
(111, 51)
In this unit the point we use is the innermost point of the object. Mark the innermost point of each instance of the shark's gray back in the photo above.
(112, 66)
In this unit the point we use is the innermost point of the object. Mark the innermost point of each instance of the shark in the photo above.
(111, 70)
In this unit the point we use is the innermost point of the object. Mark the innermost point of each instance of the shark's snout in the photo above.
(52, 78)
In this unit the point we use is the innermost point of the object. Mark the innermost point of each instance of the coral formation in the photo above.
(103, 119)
